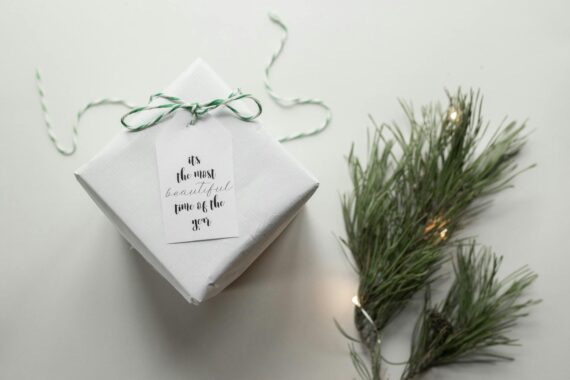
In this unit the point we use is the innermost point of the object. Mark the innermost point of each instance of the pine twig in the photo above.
(412, 196)
(475, 317)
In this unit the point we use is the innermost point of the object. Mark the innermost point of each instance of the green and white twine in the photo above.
(162, 110)
(172, 104)
(292, 101)
(75, 128)
(197, 110)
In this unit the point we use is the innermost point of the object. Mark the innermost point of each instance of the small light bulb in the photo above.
(356, 301)
(443, 234)
(453, 114)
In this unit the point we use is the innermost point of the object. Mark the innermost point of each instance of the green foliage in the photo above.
(412, 195)
(475, 317)
(374, 373)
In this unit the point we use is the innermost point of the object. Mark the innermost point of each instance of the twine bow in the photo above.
(197, 110)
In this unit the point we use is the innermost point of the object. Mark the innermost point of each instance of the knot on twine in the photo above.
(197, 110)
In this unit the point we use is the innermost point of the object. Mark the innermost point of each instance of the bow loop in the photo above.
(197, 110)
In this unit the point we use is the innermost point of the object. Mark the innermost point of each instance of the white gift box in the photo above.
(270, 188)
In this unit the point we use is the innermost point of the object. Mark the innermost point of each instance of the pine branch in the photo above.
(414, 194)
(475, 317)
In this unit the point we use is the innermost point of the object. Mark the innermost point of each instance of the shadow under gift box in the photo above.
(270, 188)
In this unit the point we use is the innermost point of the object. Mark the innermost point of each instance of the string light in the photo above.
(437, 227)
(454, 114)
(356, 301)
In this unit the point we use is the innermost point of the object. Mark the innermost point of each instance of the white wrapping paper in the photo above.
(270, 188)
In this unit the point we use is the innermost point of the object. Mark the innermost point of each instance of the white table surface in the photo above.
(76, 303)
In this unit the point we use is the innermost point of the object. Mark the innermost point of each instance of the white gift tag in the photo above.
(196, 174)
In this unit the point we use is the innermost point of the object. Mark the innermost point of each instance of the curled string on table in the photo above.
(292, 101)
(68, 151)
